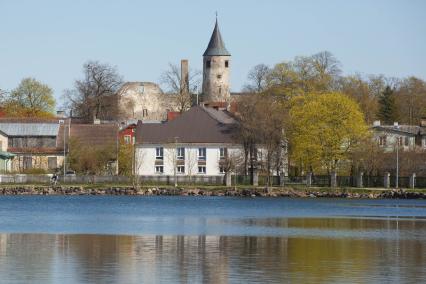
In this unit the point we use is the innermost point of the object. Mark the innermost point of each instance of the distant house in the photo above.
(409, 137)
(95, 136)
(127, 132)
(195, 143)
(32, 143)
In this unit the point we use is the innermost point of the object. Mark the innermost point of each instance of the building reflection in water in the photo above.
(398, 257)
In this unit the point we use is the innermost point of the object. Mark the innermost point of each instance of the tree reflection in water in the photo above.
(395, 253)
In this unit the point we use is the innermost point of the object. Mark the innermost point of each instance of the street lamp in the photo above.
(397, 160)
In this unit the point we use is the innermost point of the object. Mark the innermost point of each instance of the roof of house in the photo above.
(95, 134)
(405, 129)
(216, 45)
(198, 125)
(29, 129)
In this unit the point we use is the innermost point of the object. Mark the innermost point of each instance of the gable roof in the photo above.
(403, 129)
(197, 125)
(216, 45)
(29, 129)
(95, 134)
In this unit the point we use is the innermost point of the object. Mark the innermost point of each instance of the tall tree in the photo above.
(361, 91)
(30, 99)
(324, 129)
(261, 118)
(410, 98)
(257, 78)
(388, 112)
(171, 81)
(96, 94)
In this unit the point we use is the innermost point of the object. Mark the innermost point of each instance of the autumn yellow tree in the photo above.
(30, 99)
(324, 128)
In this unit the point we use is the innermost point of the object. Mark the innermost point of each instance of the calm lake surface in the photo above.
(110, 239)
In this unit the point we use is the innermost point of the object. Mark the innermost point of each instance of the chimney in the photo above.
(423, 122)
(376, 123)
(184, 76)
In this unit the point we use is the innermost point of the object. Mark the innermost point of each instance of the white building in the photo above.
(198, 142)
(408, 137)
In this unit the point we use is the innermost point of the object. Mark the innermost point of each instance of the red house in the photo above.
(127, 134)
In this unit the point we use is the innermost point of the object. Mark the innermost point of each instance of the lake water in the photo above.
(110, 239)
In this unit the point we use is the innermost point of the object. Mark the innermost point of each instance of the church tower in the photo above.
(216, 69)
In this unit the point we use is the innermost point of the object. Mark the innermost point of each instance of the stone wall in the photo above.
(244, 192)
(144, 101)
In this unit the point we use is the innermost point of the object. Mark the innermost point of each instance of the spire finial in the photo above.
(216, 16)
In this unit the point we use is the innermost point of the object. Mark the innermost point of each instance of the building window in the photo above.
(208, 63)
(222, 153)
(144, 112)
(159, 169)
(180, 169)
(28, 163)
(226, 63)
(222, 169)
(202, 154)
(159, 153)
(181, 153)
(219, 76)
(399, 141)
(220, 90)
(134, 140)
(382, 140)
(127, 139)
(52, 163)
(201, 169)
(407, 141)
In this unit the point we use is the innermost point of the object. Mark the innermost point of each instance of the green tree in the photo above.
(30, 99)
(90, 159)
(388, 112)
(324, 129)
(125, 159)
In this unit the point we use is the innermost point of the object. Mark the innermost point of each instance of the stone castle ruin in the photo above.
(147, 102)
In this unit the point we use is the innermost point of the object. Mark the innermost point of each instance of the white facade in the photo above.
(148, 159)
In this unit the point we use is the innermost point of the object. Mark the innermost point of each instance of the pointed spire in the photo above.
(216, 45)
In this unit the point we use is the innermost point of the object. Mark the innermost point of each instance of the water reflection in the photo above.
(222, 259)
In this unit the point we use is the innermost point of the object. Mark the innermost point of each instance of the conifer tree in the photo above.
(387, 107)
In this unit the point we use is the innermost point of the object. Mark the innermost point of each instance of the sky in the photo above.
(50, 40)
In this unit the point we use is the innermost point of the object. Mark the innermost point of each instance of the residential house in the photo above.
(95, 135)
(127, 132)
(195, 143)
(5, 157)
(32, 143)
(408, 137)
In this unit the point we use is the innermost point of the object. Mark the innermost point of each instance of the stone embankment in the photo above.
(240, 192)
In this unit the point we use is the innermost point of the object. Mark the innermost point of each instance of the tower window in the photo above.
(220, 90)
(226, 63)
(208, 63)
(219, 76)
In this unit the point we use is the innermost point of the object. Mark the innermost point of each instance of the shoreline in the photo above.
(288, 191)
